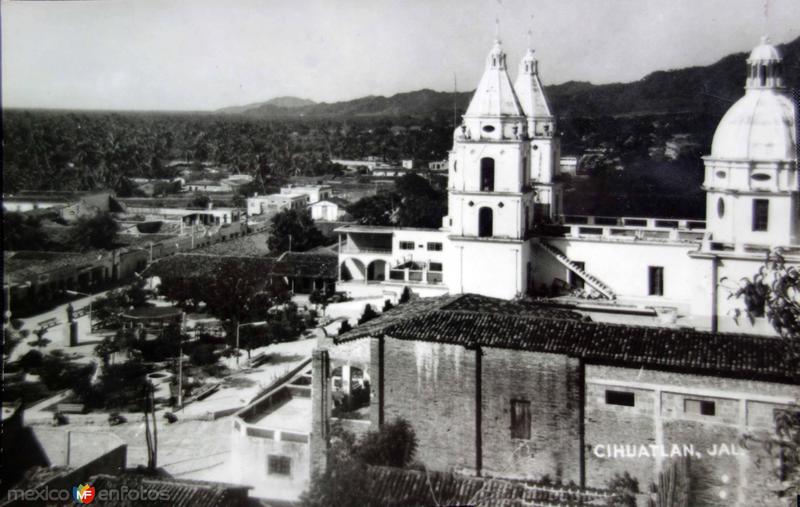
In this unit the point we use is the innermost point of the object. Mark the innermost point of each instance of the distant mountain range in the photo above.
(711, 88)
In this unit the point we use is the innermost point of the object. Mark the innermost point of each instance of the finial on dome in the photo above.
(765, 39)
(497, 29)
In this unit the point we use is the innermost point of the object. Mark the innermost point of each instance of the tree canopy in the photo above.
(413, 202)
(294, 230)
(98, 231)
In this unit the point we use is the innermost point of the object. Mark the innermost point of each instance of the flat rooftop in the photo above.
(381, 229)
(293, 415)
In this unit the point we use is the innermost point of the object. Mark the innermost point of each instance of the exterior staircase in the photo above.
(588, 278)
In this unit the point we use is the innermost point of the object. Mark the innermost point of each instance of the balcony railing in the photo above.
(370, 249)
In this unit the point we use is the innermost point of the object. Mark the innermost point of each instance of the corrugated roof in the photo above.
(471, 321)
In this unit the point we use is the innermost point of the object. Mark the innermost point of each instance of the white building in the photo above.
(328, 210)
(273, 203)
(315, 193)
(503, 172)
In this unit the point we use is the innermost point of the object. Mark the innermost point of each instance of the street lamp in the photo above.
(8, 299)
(78, 293)
(239, 326)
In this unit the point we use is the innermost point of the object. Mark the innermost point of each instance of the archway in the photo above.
(376, 270)
(487, 174)
(485, 222)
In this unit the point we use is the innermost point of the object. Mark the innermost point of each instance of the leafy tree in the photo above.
(119, 385)
(21, 232)
(293, 230)
(394, 445)
(345, 482)
(387, 305)
(98, 231)
(201, 201)
(369, 314)
(31, 360)
(375, 209)
(405, 297)
(774, 292)
(40, 340)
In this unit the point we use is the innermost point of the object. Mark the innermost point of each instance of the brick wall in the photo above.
(433, 387)
(551, 382)
(723, 472)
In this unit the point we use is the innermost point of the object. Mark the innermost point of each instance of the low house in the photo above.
(315, 193)
(273, 203)
(331, 209)
(70, 206)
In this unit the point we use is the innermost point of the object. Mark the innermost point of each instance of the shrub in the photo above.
(405, 297)
(31, 360)
(345, 327)
(369, 314)
(387, 305)
(623, 489)
(394, 445)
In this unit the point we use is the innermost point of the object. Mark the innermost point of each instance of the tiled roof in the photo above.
(387, 322)
(296, 264)
(208, 266)
(180, 492)
(28, 265)
(397, 486)
(472, 321)
(250, 245)
(310, 265)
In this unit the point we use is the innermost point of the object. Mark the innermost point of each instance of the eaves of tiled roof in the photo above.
(473, 321)
(397, 486)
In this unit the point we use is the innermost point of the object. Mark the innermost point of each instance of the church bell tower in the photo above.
(489, 193)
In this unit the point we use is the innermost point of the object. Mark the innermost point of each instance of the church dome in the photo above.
(762, 124)
(765, 51)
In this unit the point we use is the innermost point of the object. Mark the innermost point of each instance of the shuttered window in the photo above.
(520, 419)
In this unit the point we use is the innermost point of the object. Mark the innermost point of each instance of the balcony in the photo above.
(627, 229)
(354, 249)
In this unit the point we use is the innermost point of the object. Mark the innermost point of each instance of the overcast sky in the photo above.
(204, 54)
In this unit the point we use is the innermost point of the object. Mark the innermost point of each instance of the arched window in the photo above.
(487, 174)
(485, 222)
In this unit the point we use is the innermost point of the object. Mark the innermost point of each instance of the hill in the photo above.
(707, 89)
(277, 104)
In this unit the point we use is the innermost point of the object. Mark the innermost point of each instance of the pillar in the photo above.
(320, 409)
(376, 382)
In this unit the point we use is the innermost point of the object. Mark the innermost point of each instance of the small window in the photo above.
(436, 266)
(622, 398)
(520, 419)
(720, 207)
(406, 245)
(488, 128)
(279, 465)
(760, 214)
(700, 407)
(435, 247)
(655, 276)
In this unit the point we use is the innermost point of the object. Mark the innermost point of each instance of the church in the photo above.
(505, 235)
(645, 372)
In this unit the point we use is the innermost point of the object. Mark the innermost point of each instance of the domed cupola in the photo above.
(765, 66)
(760, 125)
(751, 177)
